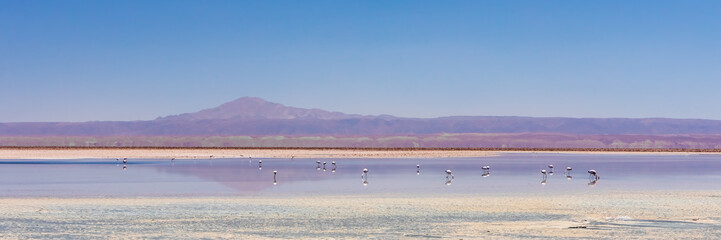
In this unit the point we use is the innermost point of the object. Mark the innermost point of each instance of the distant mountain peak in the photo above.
(247, 108)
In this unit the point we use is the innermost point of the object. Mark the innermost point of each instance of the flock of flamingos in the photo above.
(592, 174)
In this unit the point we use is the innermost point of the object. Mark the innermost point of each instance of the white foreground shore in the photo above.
(614, 215)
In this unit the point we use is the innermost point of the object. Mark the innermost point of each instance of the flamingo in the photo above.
(364, 177)
(275, 172)
(449, 174)
(449, 177)
(486, 171)
(593, 175)
(568, 173)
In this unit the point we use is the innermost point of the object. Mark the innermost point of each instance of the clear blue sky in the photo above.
(137, 60)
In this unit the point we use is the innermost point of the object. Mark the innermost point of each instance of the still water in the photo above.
(509, 174)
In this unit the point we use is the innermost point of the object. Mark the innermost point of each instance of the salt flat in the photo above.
(660, 215)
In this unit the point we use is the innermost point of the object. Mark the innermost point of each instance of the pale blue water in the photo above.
(510, 174)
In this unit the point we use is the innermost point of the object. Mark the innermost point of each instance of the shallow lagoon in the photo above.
(638, 196)
(510, 174)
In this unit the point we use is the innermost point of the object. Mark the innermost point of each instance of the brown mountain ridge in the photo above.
(255, 116)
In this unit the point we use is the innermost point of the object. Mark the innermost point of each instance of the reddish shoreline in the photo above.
(679, 150)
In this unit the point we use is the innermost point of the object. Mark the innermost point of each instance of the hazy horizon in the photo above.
(81, 61)
(350, 113)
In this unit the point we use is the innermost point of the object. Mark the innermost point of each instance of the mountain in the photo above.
(252, 108)
(257, 117)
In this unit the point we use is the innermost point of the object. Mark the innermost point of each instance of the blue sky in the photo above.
(137, 60)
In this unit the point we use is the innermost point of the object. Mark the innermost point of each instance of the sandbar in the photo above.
(202, 153)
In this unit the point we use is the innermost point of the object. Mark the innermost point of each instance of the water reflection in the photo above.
(512, 173)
